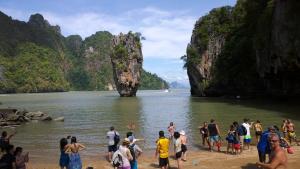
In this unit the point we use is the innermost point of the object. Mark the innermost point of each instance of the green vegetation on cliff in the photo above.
(152, 81)
(35, 57)
(249, 49)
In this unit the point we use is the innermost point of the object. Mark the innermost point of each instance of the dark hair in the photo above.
(4, 134)
(129, 134)
(18, 150)
(8, 148)
(176, 135)
(212, 120)
(257, 121)
(161, 134)
(276, 128)
(171, 123)
(235, 123)
(246, 120)
(112, 128)
(63, 143)
(231, 127)
(73, 139)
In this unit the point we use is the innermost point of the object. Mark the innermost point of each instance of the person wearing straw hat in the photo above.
(183, 139)
(125, 153)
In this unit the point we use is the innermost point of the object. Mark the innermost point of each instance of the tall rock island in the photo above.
(251, 49)
(127, 60)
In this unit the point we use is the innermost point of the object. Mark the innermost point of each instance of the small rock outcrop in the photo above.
(127, 59)
(11, 117)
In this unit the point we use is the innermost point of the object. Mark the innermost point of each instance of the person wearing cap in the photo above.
(135, 151)
(183, 139)
(278, 157)
(162, 148)
(125, 153)
(263, 146)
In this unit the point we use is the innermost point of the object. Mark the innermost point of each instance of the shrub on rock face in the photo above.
(126, 58)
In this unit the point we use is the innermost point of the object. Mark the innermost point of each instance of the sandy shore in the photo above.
(201, 159)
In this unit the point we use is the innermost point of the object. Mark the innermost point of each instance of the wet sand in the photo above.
(200, 159)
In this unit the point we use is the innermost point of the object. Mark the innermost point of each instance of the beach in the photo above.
(197, 159)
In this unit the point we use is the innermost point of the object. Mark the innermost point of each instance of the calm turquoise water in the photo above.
(88, 116)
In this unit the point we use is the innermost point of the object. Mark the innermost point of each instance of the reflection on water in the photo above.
(88, 115)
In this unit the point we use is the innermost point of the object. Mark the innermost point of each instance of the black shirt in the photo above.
(6, 161)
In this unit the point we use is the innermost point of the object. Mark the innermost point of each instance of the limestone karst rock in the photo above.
(127, 59)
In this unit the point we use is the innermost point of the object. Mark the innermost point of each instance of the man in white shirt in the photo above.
(247, 137)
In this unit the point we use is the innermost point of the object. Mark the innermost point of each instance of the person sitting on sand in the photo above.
(258, 130)
(73, 150)
(5, 140)
(278, 157)
(162, 149)
(64, 157)
(214, 134)
(291, 132)
(8, 160)
(178, 150)
(204, 133)
(21, 159)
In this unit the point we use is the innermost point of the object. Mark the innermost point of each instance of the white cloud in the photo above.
(167, 32)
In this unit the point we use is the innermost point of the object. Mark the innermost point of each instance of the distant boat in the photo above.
(166, 90)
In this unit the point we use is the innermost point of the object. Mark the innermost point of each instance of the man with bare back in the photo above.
(278, 158)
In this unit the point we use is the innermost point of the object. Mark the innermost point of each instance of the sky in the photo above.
(167, 25)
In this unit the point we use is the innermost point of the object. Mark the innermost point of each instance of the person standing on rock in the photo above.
(112, 145)
(278, 157)
(214, 134)
(162, 149)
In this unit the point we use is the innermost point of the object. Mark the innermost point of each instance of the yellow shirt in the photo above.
(163, 147)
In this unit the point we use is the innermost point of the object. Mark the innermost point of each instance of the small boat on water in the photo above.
(167, 90)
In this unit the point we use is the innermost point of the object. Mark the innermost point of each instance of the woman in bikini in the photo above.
(73, 150)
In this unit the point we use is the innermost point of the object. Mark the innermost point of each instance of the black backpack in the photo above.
(244, 130)
(131, 148)
(116, 139)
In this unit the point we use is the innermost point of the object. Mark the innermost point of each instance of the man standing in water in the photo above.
(112, 145)
(214, 134)
(162, 148)
(278, 157)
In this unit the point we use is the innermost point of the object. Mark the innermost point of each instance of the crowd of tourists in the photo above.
(272, 143)
(11, 158)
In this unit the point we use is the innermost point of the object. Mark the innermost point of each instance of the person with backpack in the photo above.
(8, 160)
(230, 139)
(135, 151)
(123, 157)
(241, 132)
(247, 137)
(113, 141)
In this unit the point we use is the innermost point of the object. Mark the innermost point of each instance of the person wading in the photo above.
(214, 134)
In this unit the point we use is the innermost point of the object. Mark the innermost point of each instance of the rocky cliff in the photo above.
(36, 57)
(250, 49)
(127, 59)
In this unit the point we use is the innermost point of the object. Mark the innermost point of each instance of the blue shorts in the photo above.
(133, 164)
(214, 138)
(247, 140)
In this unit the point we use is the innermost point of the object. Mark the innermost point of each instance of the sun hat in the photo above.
(182, 132)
